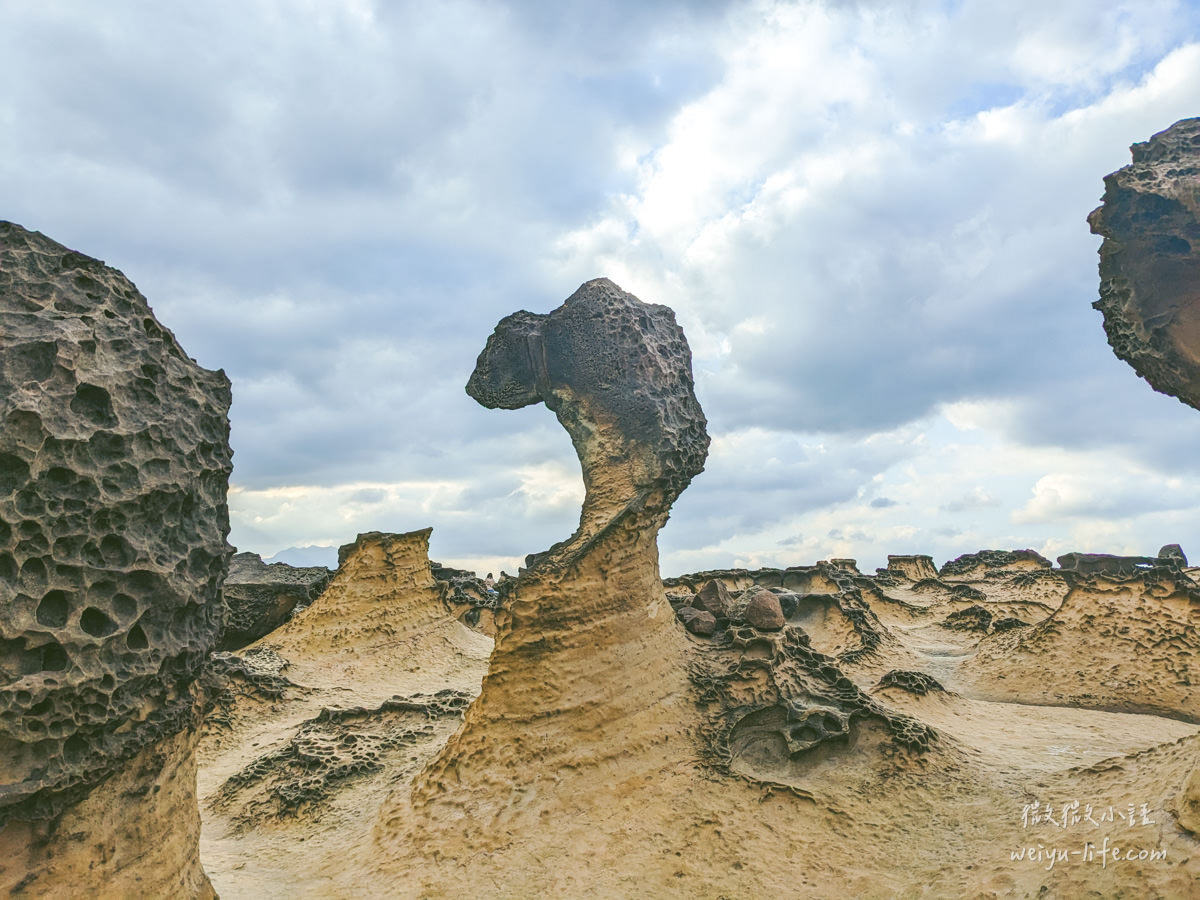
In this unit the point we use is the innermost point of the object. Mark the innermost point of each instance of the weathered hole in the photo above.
(54, 658)
(124, 606)
(96, 623)
(93, 403)
(53, 610)
(74, 747)
(116, 550)
(32, 362)
(136, 639)
(14, 472)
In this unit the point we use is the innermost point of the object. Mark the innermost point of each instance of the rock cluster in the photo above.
(114, 466)
(1150, 261)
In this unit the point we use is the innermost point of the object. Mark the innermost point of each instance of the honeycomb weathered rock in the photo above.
(114, 466)
(1150, 260)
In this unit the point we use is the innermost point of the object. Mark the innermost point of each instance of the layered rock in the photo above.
(381, 613)
(114, 466)
(261, 597)
(1150, 261)
(312, 725)
(912, 567)
(588, 661)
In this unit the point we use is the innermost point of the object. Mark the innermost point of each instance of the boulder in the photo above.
(1173, 554)
(1150, 261)
(260, 597)
(114, 467)
(762, 610)
(713, 598)
(697, 621)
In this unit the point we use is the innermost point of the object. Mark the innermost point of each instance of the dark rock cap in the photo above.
(617, 373)
(1150, 261)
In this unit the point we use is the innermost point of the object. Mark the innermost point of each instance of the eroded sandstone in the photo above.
(114, 465)
(586, 646)
(1150, 260)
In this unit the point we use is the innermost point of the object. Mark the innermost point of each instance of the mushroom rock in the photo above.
(114, 466)
(587, 682)
(1150, 261)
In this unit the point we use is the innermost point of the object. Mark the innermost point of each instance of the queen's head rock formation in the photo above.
(587, 668)
(1150, 260)
(114, 465)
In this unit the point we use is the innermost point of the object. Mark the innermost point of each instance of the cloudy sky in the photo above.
(869, 218)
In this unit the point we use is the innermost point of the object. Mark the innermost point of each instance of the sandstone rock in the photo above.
(1150, 261)
(911, 567)
(261, 597)
(762, 611)
(114, 465)
(713, 598)
(587, 647)
(697, 621)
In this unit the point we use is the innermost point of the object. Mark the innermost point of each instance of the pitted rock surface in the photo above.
(617, 373)
(114, 465)
(1150, 260)
(994, 561)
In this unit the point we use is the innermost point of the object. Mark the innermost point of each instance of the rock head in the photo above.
(617, 373)
(1150, 261)
(114, 466)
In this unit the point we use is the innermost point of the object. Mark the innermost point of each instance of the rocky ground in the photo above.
(902, 734)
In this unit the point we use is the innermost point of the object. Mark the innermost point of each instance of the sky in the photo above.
(869, 218)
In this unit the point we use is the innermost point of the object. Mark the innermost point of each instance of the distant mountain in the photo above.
(311, 555)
